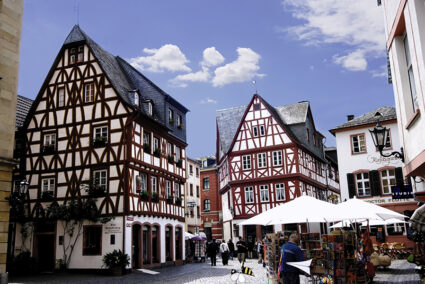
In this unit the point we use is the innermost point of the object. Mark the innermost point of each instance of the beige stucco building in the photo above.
(10, 36)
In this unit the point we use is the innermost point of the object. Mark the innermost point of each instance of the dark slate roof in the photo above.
(388, 113)
(289, 116)
(23, 106)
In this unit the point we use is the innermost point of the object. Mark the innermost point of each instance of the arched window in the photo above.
(206, 205)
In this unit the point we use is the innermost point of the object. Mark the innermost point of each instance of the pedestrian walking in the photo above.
(224, 250)
(260, 248)
(250, 248)
(290, 252)
(231, 246)
(212, 251)
(242, 249)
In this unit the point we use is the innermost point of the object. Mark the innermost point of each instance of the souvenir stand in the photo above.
(272, 245)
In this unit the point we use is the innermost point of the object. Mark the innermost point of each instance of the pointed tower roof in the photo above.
(75, 35)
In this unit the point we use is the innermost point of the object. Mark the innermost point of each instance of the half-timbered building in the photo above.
(102, 135)
(268, 155)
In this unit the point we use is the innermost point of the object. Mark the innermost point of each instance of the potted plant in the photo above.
(96, 190)
(178, 201)
(155, 197)
(170, 159)
(170, 199)
(47, 196)
(180, 126)
(157, 152)
(116, 261)
(99, 141)
(144, 195)
(171, 121)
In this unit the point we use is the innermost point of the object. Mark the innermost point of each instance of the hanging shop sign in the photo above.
(402, 192)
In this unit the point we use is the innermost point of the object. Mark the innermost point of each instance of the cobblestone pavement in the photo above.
(203, 273)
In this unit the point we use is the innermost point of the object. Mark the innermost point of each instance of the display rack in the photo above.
(273, 243)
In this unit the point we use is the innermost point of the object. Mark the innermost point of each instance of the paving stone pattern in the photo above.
(193, 273)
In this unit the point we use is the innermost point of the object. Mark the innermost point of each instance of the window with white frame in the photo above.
(246, 162)
(80, 56)
(191, 170)
(100, 133)
(176, 189)
(50, 140)
(155, 144)
(170, 149)
(61, 97)
(207, 205)
(178, 153)
(136, 99)
(410, 74)
(206, 183)
(169, 188)
(100, 179)
(388, 180)
(141, 182)
(170, 116)
(363, 184)
(72, 55)
(150, 108)
(264, 193)
(255, 131)
(48, 185)
(89, 92)
(358, 144)
(262, 130)
(280, 191)
(249, 194)
(277, 158)
(179, 121)
(262, 160)
(154, 184)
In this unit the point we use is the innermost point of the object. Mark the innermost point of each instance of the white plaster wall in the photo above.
(195, 181)
(371, 160)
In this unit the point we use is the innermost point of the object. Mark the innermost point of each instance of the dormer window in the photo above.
(80, 56)
(136, 98)
(179, 121)
(150, 108)
(170, 117)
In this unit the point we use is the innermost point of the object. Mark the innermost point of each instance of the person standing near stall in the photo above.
(242, 249)
(290, 252)
(231, 246)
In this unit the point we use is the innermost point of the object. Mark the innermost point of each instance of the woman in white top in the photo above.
(224, 250)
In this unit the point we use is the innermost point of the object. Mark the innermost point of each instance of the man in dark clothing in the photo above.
(231, 246)
(242, 249)
(212, 252)
(290, 252)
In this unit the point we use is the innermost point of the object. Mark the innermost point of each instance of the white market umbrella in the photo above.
(188, 236)
(382, 222)
(417, 221)
(304, 209)
(356, 209)
(342, 224)
(302, 265)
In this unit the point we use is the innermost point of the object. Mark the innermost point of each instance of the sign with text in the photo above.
(402, 192)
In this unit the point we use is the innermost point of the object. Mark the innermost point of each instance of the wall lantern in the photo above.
(380, 135)
(23, 187)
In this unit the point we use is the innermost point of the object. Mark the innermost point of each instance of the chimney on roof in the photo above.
(350, 117)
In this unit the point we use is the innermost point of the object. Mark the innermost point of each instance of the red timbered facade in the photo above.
(267, 156)
(102, 134)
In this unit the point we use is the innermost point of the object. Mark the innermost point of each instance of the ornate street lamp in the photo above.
(23, 187)
(380, 135)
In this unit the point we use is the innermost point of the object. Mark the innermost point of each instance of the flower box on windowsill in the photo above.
(99, 142)
(171, 122)
(147, 148)
(155, 197)
(47, 196)
(48, 149)
(97, 191)
(179, 163)
(180, 126)
(144, 195)
(170, 199)
(157, 153)
(178, 201)
(170, 159)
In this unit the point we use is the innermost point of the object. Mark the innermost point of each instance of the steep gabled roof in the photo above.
(388, 113)
(289, 117)
(23, 106)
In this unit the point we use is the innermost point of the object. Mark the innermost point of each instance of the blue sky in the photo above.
(207, 53)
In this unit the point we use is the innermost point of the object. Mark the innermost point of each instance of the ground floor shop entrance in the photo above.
(146, 245)
(44, 246)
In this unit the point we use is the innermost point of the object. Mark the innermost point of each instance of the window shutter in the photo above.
(375, 183)
(351, 185)
(399, 179)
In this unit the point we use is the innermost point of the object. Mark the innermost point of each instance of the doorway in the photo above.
(45, 252)
(136, 246)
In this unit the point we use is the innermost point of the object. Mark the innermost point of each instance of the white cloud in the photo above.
(168, 57)
(354, 61)
(200, 76)
(208, 101)
(211, 57)
(243, 69)
(381, 72)
(357, 25)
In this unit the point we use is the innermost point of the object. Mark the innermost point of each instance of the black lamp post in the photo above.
(380, 135)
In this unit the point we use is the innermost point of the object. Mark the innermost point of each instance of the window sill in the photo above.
(359, 153)
(413, 119)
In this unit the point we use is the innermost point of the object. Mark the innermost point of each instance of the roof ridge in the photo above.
(231, 108)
